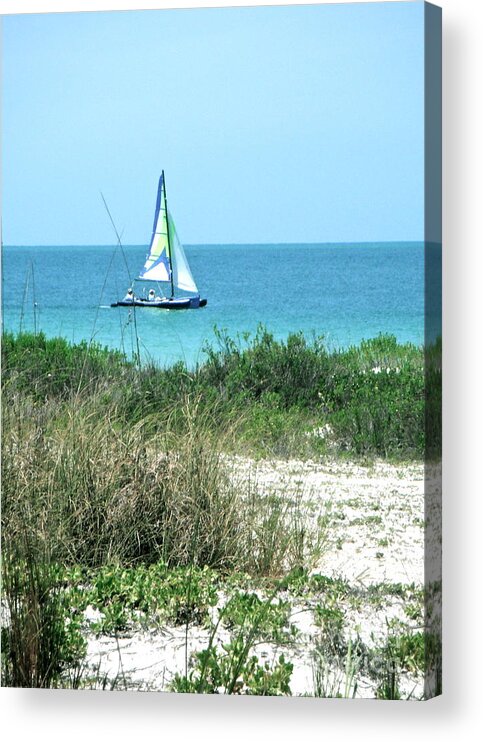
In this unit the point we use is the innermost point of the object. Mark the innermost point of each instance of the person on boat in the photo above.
(129, 296)
(151, 295)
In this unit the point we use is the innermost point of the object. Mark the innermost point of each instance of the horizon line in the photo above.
(223, 244)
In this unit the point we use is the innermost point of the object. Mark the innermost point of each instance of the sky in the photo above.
(272, 124)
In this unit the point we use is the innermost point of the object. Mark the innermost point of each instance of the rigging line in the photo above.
(33, 297)
(96, 316)
(138, 359)
(101, 295)
(117, 235)
(121, 327)
(129, 326)
(119, 318)
(149, 357)
(127, 269)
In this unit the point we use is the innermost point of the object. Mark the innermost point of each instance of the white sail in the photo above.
(157, 265)
(182, 276)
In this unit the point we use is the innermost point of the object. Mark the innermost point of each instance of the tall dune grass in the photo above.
(377, 399)
(95, 491)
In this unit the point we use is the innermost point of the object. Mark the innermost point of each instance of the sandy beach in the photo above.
(374, 544)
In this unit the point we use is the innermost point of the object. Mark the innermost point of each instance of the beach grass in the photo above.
(120, 479)
(286, 398)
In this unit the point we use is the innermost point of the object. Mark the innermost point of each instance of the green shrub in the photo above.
(377, 399)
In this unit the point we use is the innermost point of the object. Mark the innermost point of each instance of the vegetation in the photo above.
(291, 397)
(41, 634)
(118, 494)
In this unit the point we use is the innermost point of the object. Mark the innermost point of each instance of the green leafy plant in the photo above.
(151, 595)
(272, 618)
(232, 671)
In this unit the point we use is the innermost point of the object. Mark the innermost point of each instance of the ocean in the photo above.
(344, 292)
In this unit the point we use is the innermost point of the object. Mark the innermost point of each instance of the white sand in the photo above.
(375, 535)
(368, 505)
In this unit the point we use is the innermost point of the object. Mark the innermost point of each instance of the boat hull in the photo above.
(190, 302)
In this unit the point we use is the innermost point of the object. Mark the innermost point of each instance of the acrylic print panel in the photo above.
(242, 496)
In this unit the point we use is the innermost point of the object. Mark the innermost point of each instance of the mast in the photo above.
(169, 242)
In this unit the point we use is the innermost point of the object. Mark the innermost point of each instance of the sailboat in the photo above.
(166, 266)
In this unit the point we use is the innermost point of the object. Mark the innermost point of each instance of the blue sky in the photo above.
(273, 124)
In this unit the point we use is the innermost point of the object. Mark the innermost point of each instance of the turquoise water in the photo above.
(344, 292)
